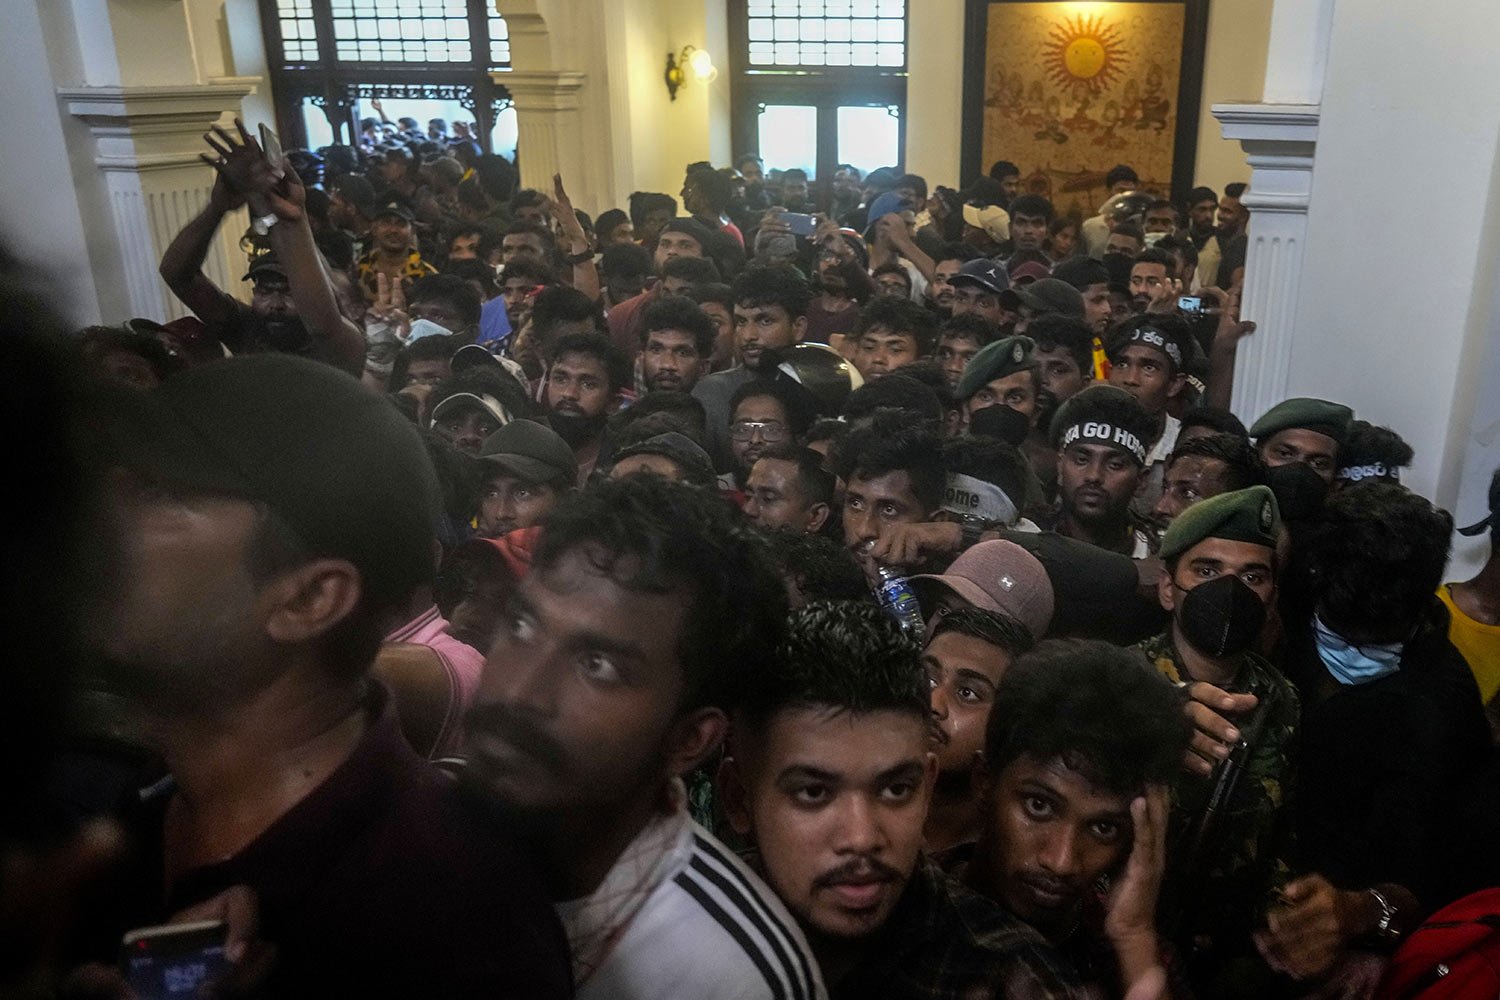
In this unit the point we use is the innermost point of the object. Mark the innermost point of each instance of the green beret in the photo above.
(1248, 515)
(1316, 415)
(1005, 356)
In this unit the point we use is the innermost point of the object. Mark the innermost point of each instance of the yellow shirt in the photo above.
(1480, 644)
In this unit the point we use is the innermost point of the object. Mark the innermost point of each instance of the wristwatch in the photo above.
(1385, 931)
(582, 256)
(263, 224)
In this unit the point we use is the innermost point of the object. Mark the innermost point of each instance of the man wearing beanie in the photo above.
(1100, 435)
(1303, 431)
(1217, 581)
(275, 515)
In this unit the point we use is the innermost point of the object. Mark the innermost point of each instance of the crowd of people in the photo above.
(787, 593)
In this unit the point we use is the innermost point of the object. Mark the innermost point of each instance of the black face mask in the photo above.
(1221, 617)
(1299, 490)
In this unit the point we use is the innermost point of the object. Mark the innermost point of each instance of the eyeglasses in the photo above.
(771, 431)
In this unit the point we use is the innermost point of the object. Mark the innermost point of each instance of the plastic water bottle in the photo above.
(899, 601)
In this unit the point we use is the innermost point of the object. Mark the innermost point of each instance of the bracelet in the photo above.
(581, 257)
(1385, 933)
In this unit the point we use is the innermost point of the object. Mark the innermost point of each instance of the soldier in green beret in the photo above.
(1003, 373)
(1302, 430)
(1230, 826)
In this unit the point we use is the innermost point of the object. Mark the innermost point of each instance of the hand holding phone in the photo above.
(270, 144)
(800, 223)
(175, 960)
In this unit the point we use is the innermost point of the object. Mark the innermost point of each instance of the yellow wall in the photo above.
(1234, 71)
(1235, 64)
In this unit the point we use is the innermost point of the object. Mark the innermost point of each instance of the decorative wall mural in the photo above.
(1070, 89)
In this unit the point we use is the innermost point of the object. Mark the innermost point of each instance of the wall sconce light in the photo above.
(691, 64)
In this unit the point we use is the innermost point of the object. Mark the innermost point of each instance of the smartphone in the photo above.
(1191, 305)
(800, 223)
(174, 960)
(270, 143)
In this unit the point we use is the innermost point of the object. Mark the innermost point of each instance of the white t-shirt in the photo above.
(710, 930)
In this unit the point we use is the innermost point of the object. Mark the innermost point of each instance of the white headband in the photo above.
(976, 498)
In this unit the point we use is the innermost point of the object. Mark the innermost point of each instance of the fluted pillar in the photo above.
(550, 130)
(1279, 141)
(146, 145)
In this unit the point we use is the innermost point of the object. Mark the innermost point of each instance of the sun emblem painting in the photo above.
(1072, 88)
(1086, 51)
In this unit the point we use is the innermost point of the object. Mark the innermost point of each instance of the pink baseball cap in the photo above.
(996, 576)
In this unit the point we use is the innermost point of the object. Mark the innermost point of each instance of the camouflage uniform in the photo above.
(1212, 902)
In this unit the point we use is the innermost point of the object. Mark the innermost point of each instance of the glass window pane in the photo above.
(868, 137)
(869, 22)
(789, 137)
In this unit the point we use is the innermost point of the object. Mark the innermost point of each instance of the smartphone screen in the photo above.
(160, 963)
(1190, 304)
(800, 223)
(270, 143)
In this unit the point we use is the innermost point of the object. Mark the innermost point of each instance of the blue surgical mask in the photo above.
(1350, 664)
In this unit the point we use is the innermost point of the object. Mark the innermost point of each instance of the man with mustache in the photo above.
(1100, 436)
(1081, 743)
(677, 341)
(830, 775)
(585, 373)
(617, 659)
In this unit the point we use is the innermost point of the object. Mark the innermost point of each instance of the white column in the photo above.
(548, 122)
(146, 143)
(1279, 141)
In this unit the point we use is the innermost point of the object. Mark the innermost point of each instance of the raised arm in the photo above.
(277, 191)
(585, 273)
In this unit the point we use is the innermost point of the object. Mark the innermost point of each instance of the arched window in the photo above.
(818, 83)
(335, 55)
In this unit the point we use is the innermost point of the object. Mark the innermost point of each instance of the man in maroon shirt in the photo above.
(245, 616)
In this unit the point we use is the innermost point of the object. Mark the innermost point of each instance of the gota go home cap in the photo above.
(337, 463)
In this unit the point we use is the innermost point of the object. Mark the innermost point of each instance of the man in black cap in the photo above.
(1303, 431)
(1049, 296)
(977, 288)
(1100, 436)
(1232, 827)
(672, 455)
(528, 470)
(295, 309)
(249, 603)
(394, 253)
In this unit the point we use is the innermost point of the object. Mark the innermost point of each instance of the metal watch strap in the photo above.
(263, 224)
(1384, 932)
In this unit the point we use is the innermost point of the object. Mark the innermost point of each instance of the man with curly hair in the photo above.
(617, 660)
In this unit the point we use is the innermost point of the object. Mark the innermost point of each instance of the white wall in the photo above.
(39, 211)
(1396, 313)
